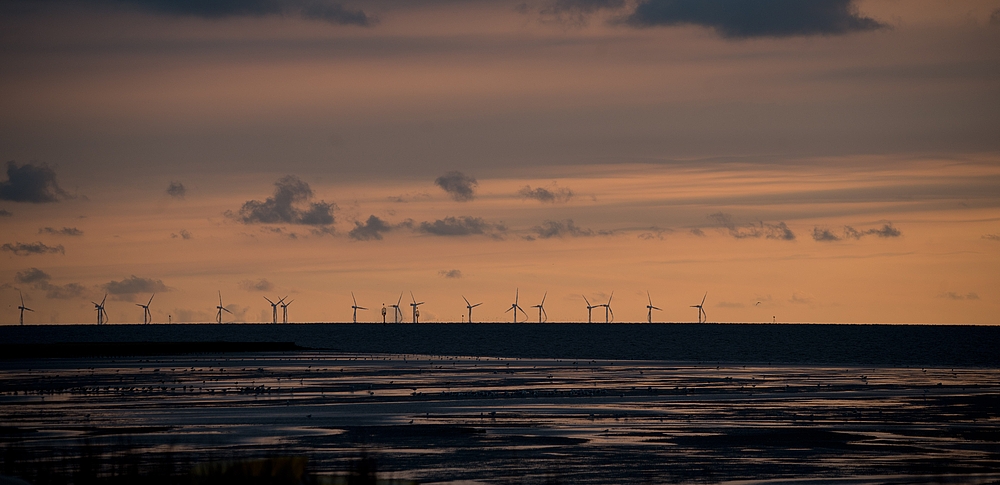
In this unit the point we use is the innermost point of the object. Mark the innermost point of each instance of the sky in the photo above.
(829, 161)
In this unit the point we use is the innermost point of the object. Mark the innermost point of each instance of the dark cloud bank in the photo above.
(543, 194)
(550, 229)
(176, 190)
(463, 226)
(290, 204)
(321, 10)
(31, 183)
(373, 228)
(127, 288)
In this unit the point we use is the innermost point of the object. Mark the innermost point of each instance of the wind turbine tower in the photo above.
(274, 309)
(146, 316)
(284, 309)
(541, 309)
(590, 308)
(650, 307)
(23, 308)
(355, 307)
(102, 314)
(608, 310)
(515, 307)
(701, 309)
(416, 311)
(470, 306)
(220, 308)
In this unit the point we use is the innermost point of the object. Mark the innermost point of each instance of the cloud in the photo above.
(5, 213)
(951, 295)
(992, 237)
(32, 276)
(290, 194)
(40, 280)
(183, 234)
(995, 17)
(755, 18)
(550, 229)
(371, 229)
(576, 12)
(24, 249)
(698, 232)
(176, 190)
(30, 183)
(450, 273)
(127, 288)
(886, 231)
(801, 298)
(729, 304)
(779, 231)
(259, 285)
(458, 185)
(323, 10)
(462, 226)
(66, 231)
(654, 233)
(542, 194)
(824, 235)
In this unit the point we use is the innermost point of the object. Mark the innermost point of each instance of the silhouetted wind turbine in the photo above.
(101, 313)
(590, 307)
(397, 315)
(274, 309)
(515, 307)
(146, 316)
(701, 309)
(607, 309)
(355, 307)
(284, 309)
(218, 317)
(650, 307)
(541, 308)
(23, 308)
(470, 306)
(416, 311)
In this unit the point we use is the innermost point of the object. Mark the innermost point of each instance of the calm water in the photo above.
(892, 345)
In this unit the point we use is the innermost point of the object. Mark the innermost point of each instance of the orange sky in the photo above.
(819, 177)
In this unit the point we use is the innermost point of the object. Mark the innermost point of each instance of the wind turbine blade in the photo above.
(543, 297)
(649, 297)
(105, 299)
(516, 291)
(655, 308)
(269, 300)
(610, 297)
(30, 310)
(150, 299)
(22, 298)
(362, 308)
(227, 311)
(703, 298)
(477, 304)
(545, 313)
(220, 297)
(466, 300)
(139, 304)
(355, 299)
(586, 300)
(412, 298)
(400, 298)
(509, 309)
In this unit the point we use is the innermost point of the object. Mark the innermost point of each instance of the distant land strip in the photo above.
(131, 349)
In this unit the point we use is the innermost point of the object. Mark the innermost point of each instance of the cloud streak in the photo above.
(259, 285)
(766, 230)
(542, 194)
(551, 229)
(462, 226)
(322, 10)
(25, 249)
(31, 183)
(290, 204)
(825, 235)
(740, 19)
(951, 295)
(459, 186)
(65, 231)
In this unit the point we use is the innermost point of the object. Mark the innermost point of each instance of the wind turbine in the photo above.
(541, 308)
(284, 309)
(23, 308)
(274, 309)
(146, 316)
(397, 314)
(355, 307)
(515, 307)
(607, 309)
(590, 308)
(102, 314)
(701, 309)
(650, 307)
(470, 306)
(416, 311)
(218, 317)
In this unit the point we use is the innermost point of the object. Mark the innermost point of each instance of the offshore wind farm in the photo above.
(751, 242)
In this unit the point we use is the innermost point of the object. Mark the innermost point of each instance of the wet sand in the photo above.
(504, 420)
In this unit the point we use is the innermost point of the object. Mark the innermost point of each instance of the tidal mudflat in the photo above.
(449, 419)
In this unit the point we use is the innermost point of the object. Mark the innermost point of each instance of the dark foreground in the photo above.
(156, 419)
